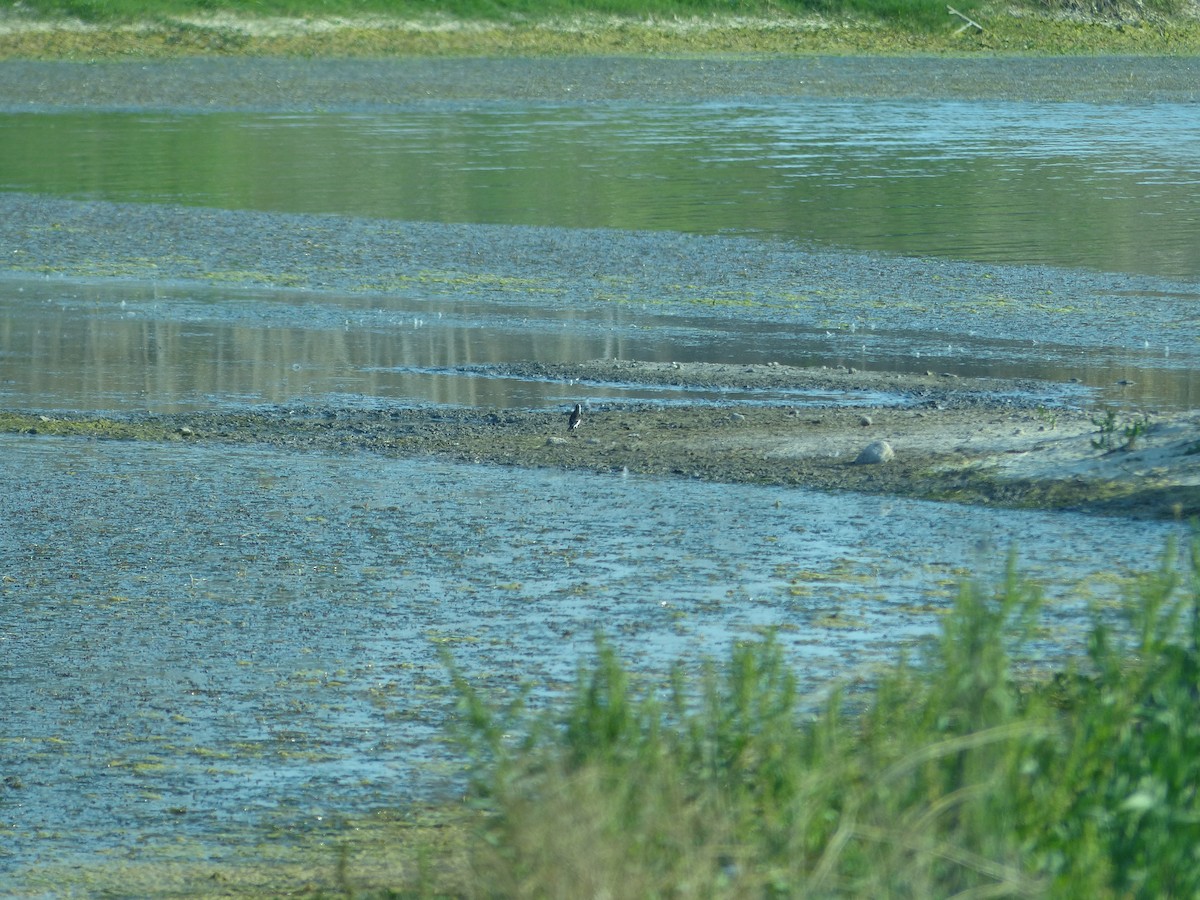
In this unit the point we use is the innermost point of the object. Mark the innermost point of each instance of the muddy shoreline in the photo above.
(339, 83)
(975, 441)
(321, 576)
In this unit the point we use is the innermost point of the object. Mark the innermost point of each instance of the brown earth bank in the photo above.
(951, 439)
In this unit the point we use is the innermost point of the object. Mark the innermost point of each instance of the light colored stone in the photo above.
(875, 452)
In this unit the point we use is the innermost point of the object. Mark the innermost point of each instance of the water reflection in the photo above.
(121, 347)
(1110, 187)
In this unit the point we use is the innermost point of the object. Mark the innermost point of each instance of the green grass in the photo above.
(922, 13)
(178, 28)
(911, 11)
(962, 774)
(959, 776)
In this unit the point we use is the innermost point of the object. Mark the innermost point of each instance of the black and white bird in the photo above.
(576, 417)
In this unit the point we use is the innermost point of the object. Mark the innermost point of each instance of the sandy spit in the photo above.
(953, 439)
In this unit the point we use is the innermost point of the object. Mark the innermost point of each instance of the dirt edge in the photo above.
(950, 439)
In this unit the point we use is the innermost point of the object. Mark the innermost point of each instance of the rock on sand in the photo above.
(875, 452)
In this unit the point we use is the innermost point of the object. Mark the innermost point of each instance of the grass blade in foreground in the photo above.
(958, 776)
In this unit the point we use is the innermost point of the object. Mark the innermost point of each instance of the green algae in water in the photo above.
(319, 693)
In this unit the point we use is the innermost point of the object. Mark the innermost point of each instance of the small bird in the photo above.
(576, 417)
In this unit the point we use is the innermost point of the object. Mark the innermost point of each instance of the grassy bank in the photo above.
(960, 773)
(91, 29)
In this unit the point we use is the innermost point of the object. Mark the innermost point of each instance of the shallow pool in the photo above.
(207, 643)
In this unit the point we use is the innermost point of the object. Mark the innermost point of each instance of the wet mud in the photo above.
(1025, 312)
(977, 441)
(223, 661)
(955, 435)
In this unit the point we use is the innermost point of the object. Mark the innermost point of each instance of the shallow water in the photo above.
(1044, 169)
(1105, 186)
(211, 642)
(121, 346)
(188, 348)
(220, 644)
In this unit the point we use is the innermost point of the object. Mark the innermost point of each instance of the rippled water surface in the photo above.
(1104, 189)
(204, 642)
(122, 347)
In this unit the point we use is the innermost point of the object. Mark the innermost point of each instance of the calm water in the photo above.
(120, 347)
(1106, 186)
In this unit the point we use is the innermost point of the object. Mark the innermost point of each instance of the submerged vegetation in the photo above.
(961, 773)
(965, 771)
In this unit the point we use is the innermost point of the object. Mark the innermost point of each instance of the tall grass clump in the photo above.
(959, 775)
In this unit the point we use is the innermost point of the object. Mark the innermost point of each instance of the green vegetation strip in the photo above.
(34, 424)
(89, 29)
